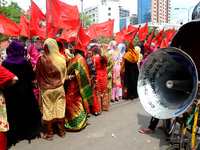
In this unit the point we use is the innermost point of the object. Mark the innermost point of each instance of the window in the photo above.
(109, 8)
(109, 19)
(109, 14)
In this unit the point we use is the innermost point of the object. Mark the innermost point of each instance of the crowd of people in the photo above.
(63, 86)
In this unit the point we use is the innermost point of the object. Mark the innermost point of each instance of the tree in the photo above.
(86, 20)
(12, 11)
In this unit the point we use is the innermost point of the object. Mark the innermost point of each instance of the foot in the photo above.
(146, 131)
(44, 136)
(160, 127)
(96, 113)
(120, 97)
(116, 99)
(88, 115)
(99, 113)
(62, 136)
(112, 101)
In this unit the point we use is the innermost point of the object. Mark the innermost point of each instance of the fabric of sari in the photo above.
(93, 74)
(137, 48)
(51, 73)
(34, 54)
(129, 66)
(109, 69)
(79, 94)
(101, 90)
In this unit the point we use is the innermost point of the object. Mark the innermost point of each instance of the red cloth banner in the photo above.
(24, 22)
(105, 29)
(143, 32)
(9, 27)
(158, 39)
(148, 42)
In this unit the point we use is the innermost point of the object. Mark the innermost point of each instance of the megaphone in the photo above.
(167, 83)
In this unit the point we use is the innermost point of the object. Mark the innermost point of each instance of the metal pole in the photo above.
(52, 20)
(95, 31)
(46, 22)
(82, 10)
(74, 47)
(30, 22)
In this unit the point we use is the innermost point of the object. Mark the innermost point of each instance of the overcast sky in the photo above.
(127, 4)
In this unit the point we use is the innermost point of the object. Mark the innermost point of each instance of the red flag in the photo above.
(131, 33)
(120, 36)
(83, 40)
(64, 36)
(91, 32)
(158, 39)
(64, 15)
(143, 32)
(72, 35)
(9, 27)
(105, 29)
(28, 11)
(169, 35)
(163, 44)
(38, 24)
(148, 42)
(24, 22)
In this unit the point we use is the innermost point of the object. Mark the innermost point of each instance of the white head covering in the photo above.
(122, 48)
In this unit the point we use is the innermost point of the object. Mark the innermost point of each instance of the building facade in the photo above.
(154, 11)
(123, 12)
(133, 20)
(106, 10)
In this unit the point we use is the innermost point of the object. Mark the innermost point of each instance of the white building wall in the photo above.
(109, 9)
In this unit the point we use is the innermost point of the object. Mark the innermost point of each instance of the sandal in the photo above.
(44, 136)
(146, 131)
(96, 113)
(88, 115)
(62, 136)
(112, 101)
(160, 127)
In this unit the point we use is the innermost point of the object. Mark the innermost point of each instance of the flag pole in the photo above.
(46, 22)
(74, 46)
(30, 22)
(82, 10)
(95, 31)
(52, 20)
(136, 33)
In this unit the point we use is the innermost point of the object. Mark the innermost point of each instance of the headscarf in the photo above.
(34, 54)
(113, 45)
(58, 59)
(151, 49)
(132, 56)
(16, 53)
(138, 49)
(122, 49)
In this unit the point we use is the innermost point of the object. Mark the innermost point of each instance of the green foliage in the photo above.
(86, 20)
(12, 12)
(105, 40)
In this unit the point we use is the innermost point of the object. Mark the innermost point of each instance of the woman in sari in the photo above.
(100, 62)
(51, 72)
(116, 81)
(33, 56)
(122, 49)
(79, 93)
(129, 66)
(109, 69)
(6, 79)
(22, 109)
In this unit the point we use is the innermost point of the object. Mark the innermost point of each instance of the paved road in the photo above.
(113, 130)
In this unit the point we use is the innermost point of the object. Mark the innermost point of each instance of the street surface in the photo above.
(113, 130)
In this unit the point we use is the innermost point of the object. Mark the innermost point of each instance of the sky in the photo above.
(181, 14)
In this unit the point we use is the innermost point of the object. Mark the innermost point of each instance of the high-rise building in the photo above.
(123, 12)
(106, 10)
(154, 11)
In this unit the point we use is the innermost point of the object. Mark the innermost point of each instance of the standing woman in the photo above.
(51, 72)
(129, 66)
(33, 56)
(101, 77)
(109, 69)
(122, 49)
(79, 92)
(22, 109)
(116, 81)
(6, 79)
